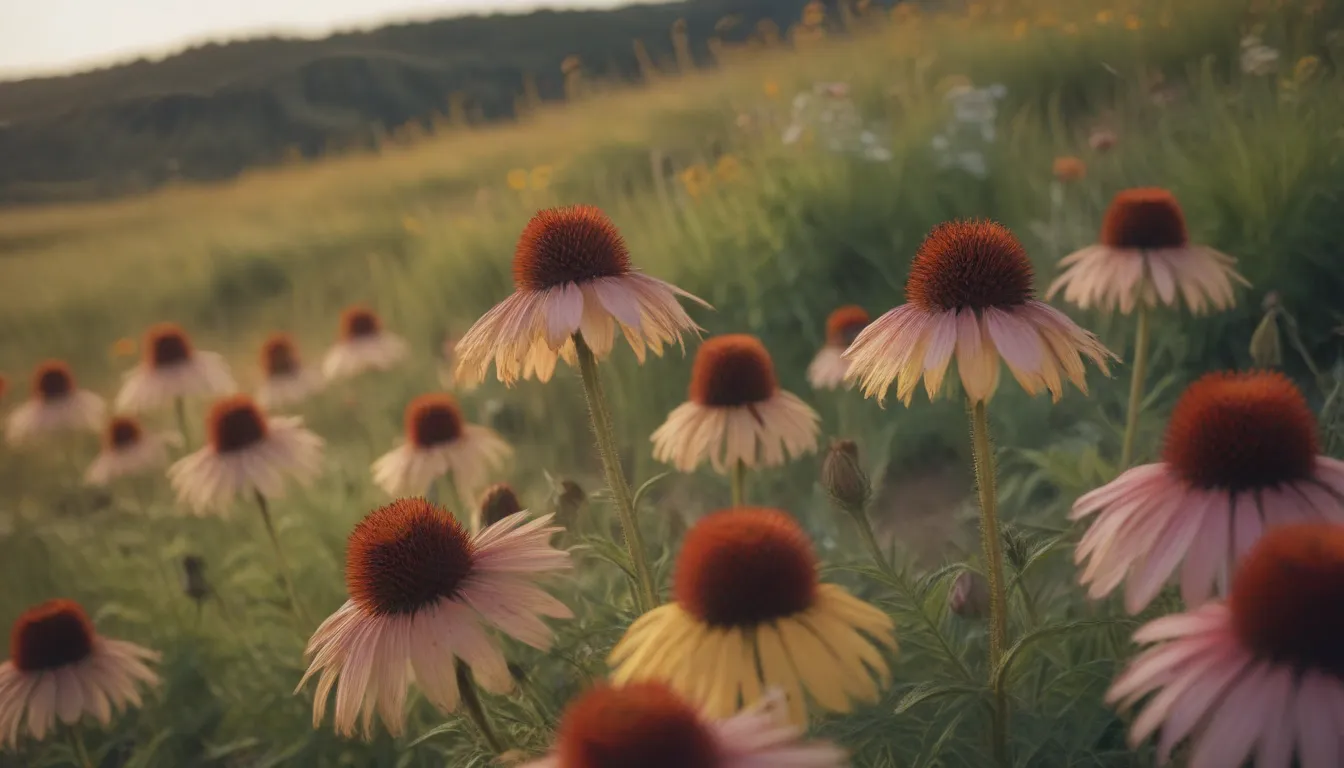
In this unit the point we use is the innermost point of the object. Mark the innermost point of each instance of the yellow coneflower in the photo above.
(827, 370)
(736, 412)
(363, 345)
(61, 669)
(750, 614)
(286, 380)
(55, 405)
(170, 369)
(422, 593)
(127, 450)
(574, 280)
(440, 442)
(648, 724)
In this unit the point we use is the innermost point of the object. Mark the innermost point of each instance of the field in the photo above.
(780, 186)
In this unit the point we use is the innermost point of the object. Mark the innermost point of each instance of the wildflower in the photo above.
(827, 369)
(728, 169)
(1259, 676)
(245, 451)
(1240, 457)
(1306, 68)
(1105, 16)
(843, 477)
(171, 368)
(1145, 255)
(648, 724)
(1102, 140)
(55, 405)
(1020, 29)
(439, 442)
(364, 345)
(517, 179)
(1069, 169)
(540, 178)
(127, 450)
(59, 667)
(497, 502)
(771, 88)
(736, 412)
(1133, 23)
(286, 381)
(421, 588)
(123, 347)
(970, 294)
(574, 280)
(412, 225)
(1257, 58)
(750, 613)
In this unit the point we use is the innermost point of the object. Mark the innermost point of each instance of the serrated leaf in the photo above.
(438, 730)
(927, 691)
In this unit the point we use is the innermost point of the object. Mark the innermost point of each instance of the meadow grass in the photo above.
(774, 240)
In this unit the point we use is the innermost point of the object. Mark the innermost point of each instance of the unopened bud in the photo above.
(569, 500)
(1266, 347)
(843, 477)
(498, 502)
(969, 595)
(194, 584)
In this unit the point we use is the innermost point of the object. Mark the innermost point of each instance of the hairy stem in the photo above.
(646, 595)
(982, 448)
(1136, 387)
(471, 701)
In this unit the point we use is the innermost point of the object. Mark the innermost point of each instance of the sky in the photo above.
(39, 37)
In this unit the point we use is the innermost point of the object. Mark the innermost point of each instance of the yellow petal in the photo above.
(778, 670)
(815, 664)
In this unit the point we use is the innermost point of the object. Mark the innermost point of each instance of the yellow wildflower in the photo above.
(1306, 68)
(1105, 17)
(1133, 23)
(728, 169)
(412, 225)
(1020, 29)
(771, 88)
(541, 176)
(123, 347)
(814, 14)
(518, 179)
(696, 180)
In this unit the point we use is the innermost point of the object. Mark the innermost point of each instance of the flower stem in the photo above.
(646, 595)
(475, 710)
(180, 405)
(82, 759)
(280, 558)
(982, 448)
(1136, 387)
(739, 483)
(870, 542)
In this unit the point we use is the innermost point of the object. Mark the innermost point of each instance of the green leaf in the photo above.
(1001, 673)
(647, 486)
(438, 730)
(143, 757)
(927, 691)
(608, 550)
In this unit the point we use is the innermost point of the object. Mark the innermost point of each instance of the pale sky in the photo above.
(53, 36)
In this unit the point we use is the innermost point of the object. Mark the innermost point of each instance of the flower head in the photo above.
(127, 450)
(362, 345)
(439, 441)
(59, 667)
(573, 275)
(286, 380)
(1069, 169)
(970, 294)
(498, 502)
(1145, 255)
(171, 368)
(56, 404)
(421, 588)
(749, 613)
(735, 412)
(1239, 458)
(1259, 676)
(649, 725)
(827, 370)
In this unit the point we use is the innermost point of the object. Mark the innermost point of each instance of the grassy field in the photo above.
(775, 234)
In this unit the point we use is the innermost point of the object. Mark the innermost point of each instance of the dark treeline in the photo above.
(213, 110)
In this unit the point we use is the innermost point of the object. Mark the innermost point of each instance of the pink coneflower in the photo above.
(1145, 255)
(572, 275)
(60, 668)
(364, 345)
(1260, 676)
(970, 294)
(421, 590)
(287, 381)
(827, 370)
(245, 451)
(1240, 456)
(736, 412)
(440, 442)
(170, 369)
(127, 450)
(650, 726)
(55, 405)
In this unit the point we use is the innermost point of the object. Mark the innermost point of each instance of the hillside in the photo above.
(213, 110)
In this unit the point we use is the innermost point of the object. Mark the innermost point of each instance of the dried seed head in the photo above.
(574, 244)
(969, 265)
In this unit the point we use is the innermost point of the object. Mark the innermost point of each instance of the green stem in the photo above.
(646, 595)
(985, 479)
(471, 701)
(739, 483)
(180, 405)
(82, 759)
(870, 543)
(280, 558)
(1136, 387)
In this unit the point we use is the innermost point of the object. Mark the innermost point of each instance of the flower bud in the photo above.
(498, 502)
(843, 477)
(969, 595)
(1266, 346)
(194, 584)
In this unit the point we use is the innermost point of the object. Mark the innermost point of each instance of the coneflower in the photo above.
(286, 381)
(171, 369)
(575, 285)
(497, 502)
(736, 417)
(422, 593)
(827, 370)
(363, 345)
(1258, 677)
(649, 725)
(751, 613)
(128, 450)
(60, 668)
(1145, 257)
(440, 442)
(1241, 456)
(55, 405)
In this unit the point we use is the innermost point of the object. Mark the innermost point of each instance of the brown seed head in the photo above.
(359, 322)
(642, 725)
(166, 345)
(498, 502)
(969, 265)
(844, 325)
(568, 245)
(122, 432)
(732, 370)
(235, 423)
(433, 420)
(50, 636)
(1144, 219)
(52, 380)
(279, 355)
(405, 556)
